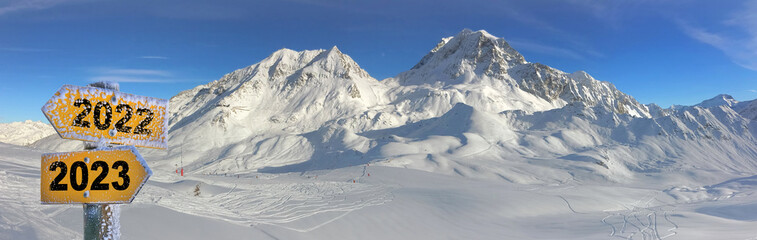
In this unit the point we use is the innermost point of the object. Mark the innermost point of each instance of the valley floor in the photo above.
(374, 202)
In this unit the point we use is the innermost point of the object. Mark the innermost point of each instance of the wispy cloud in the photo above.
(752, 90)
(740, 46)
(21, 5)
(132, 71)
(132, 75)
(549, 50)
(129, 79)
(15, 49)
(154, 57)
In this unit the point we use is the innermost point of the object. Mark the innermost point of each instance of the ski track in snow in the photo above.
(19, 214)
(279, 204)
(569, 206)
(644, 220)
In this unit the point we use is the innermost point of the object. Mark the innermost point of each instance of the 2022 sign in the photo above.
(97, 114)
(103, 122)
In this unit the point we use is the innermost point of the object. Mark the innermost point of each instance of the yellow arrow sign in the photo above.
(108, 175)
(95, 114)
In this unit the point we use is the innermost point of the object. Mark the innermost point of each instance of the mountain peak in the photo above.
(334, 49)
(467, 31)
(282, 54)
(582, 77)
(332, 53)
(469, 51)
(719, 100)
(337, 63)
(473, 45)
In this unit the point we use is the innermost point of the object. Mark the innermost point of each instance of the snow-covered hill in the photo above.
(472, 107)
(24, 133)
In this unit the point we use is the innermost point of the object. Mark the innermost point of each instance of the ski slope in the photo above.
(392, 203)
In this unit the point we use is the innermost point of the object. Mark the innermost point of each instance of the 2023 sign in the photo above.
(79, 176)
(106, 175)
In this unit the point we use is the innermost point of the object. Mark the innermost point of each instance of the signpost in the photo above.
(104, 175)
(96, 114)
(112, 175)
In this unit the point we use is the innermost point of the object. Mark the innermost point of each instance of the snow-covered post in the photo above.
(101, 220)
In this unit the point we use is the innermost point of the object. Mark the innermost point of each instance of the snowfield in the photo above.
(392, 203)
(474, 142)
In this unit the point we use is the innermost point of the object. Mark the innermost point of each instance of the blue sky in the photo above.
(666, 52)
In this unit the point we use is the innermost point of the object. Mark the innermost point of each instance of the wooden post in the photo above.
(101, 221)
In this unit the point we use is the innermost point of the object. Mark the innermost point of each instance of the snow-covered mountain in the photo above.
(719, 100)
(262, 112)
(473, 106)
(297, 91)
(747, 109)
(483, 71)
(24, 133)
